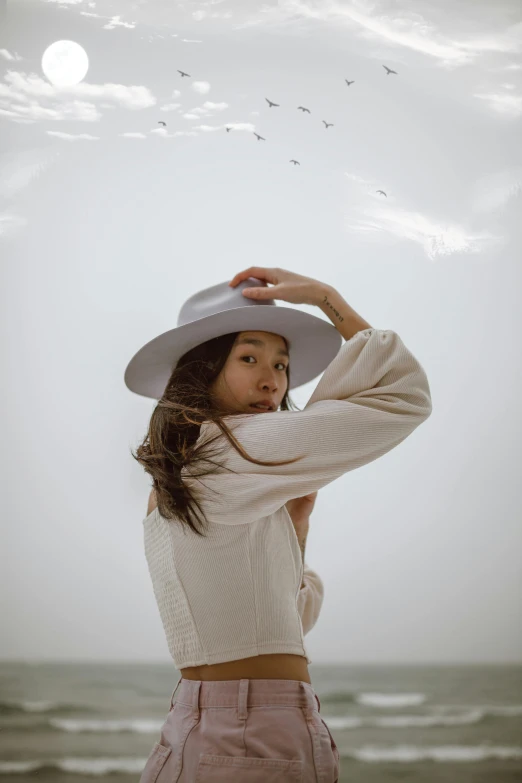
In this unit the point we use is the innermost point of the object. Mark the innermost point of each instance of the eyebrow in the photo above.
(260, 343)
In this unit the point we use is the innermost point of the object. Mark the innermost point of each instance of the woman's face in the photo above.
(254, 371)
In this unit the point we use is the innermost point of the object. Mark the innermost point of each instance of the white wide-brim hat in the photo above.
(312, 342)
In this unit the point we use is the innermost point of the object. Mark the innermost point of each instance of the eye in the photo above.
(253, 357)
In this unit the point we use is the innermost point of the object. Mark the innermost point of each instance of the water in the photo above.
(75, 723)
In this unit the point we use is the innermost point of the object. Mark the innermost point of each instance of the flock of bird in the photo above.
(300, 108)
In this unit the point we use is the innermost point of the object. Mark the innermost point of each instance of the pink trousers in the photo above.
(253, 731)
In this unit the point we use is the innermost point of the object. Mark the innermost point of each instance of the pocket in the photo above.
(155, 763)
(215, 769)
(335, 749)
(325, 752)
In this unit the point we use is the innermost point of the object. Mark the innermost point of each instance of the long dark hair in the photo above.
(175, 424)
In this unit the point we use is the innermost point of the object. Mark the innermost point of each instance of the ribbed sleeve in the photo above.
(370, 398)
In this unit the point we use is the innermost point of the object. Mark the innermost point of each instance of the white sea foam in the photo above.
(404, 721)
(438, 716)
(30, 706)
(500, 710)
(390, 700)
(89, 766)
(369, 753)
(442, 753)
(102, 726)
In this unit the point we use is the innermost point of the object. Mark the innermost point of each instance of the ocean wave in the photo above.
(369, 753)
(443, 753)
(495, 710)
(15, 707)
(438, 716)
(80, 766)
(405, 721)
(507, 711)
(338, 697)
(390, 700)
(110, 725)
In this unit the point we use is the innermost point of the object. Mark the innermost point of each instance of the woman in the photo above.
(230, 597)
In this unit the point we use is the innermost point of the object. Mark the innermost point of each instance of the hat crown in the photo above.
(219, 298)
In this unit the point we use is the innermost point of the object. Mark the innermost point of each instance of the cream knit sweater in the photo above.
(236, 593)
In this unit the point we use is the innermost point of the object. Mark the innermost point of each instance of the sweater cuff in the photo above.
(310, 598)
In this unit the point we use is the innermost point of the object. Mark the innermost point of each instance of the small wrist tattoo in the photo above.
(326, 302)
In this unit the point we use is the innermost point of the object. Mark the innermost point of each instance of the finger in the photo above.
(261, 272)
(260, 292)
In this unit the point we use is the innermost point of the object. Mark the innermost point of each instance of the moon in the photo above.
(65, 63)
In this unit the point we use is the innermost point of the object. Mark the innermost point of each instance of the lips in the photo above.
(266, 403)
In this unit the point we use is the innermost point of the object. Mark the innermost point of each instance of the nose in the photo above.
(270, 384)
(271, 381)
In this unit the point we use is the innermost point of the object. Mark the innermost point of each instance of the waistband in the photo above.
(245, 693)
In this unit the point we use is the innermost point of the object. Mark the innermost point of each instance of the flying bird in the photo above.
(295, 162)
(259, 137)
(228, 129)
(389, 70)
(381, 191)
(183, 73)
(160, 122)
(327, 125)
(303, 108)
(348, 83)
(270, 103)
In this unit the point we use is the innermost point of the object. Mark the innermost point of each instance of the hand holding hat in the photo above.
(288, 286)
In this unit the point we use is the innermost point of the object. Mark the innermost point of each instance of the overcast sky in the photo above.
(109, 221)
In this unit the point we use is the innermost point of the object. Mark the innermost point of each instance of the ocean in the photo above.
(79, 722)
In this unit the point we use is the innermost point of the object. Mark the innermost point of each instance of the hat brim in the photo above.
(313, 344)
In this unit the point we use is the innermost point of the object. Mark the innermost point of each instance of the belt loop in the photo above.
(173, 692)
(195, 698)
(242, 700)
(309, 697)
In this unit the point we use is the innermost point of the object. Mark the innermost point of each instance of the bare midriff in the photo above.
(274, 666)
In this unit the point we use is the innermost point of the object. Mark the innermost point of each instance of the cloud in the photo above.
(436, 238)
(115, 22)
(387, 221)
(170, 107)
(502, 103)
(494, 191)
(19, 170)
(29, 97)
(237, 126)
(8, 56)
(403, 29)
(206, 108)
(360, 180)
(10, 224)
(201, 87)
(73, 136)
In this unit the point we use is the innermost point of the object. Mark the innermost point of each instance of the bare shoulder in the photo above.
(152, 502)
